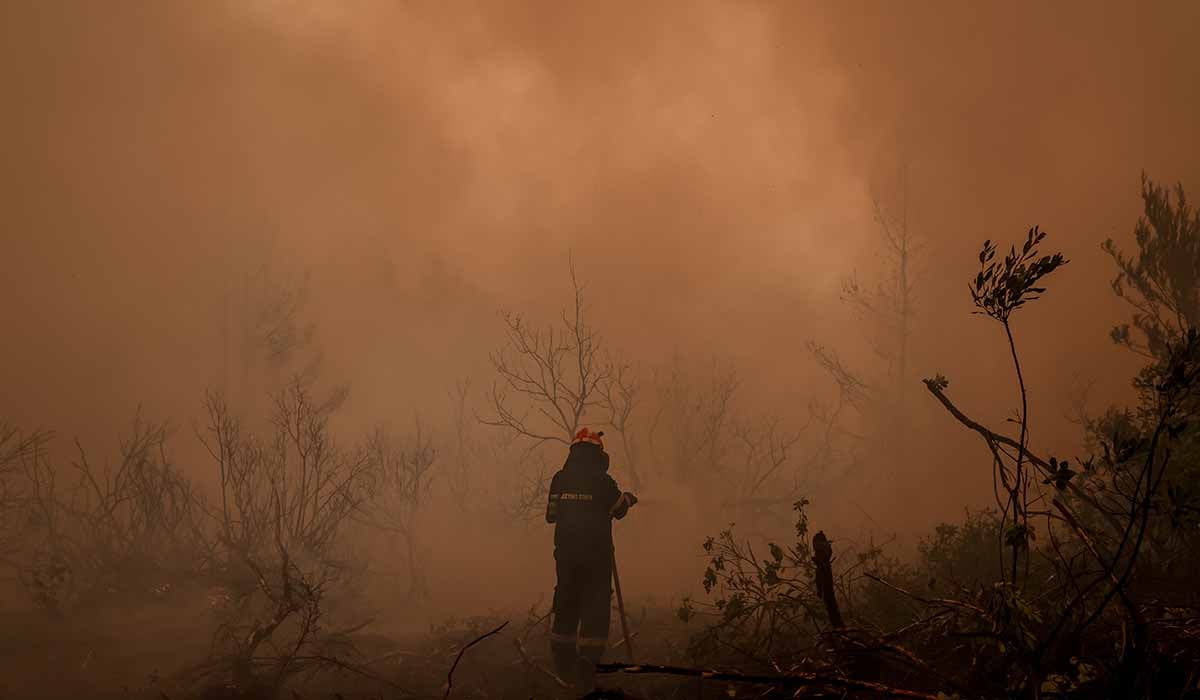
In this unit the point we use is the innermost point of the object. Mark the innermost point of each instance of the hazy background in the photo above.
(709, 166)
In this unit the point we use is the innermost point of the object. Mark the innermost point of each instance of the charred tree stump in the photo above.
(823, 559)
(846, 647)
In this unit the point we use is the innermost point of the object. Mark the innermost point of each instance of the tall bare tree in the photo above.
(549, 377)
(889, 304)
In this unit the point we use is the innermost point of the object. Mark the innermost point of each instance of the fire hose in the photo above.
(617, 589)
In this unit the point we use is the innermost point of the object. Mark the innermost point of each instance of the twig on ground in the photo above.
(334, 662)
(789, 680)
(882, 646)
(609, 694)
(473, 642)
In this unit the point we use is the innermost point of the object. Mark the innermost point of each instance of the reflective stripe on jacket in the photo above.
(583, 501)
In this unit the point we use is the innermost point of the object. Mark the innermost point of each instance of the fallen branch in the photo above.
(915, 625)
(993, 438)
(884, 647)
(609, 694)
(473, 642)
(334, 662)
(943, 602)
(787, 680)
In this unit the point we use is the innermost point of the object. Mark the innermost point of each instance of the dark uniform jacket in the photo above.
(583, 501)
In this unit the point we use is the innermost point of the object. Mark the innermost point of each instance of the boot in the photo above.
(585, 676)
(589, 656)
(566, 661)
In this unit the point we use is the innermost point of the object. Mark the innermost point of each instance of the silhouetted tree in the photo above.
(557, 371)
(887, 309)
(889, 305)
(552, 378)
(747, 466)
(1161, 282)
(999, 290)
(284, 503)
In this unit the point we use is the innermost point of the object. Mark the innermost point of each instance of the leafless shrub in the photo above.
(401, 478)
(40, 543)
(282, 506)
(80, 532)
(140, 515)
(763, 477)
(18, 496)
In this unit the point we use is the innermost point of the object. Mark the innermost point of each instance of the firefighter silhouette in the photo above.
(583, 501)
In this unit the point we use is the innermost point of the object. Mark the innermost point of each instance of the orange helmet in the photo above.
(585, 435)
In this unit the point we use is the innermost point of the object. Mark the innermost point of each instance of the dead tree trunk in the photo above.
(823, 559)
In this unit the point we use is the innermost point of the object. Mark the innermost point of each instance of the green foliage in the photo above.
(1000, 289)
(1161, 281)
(873, 603)
(763, 606)
(1062, 474)
(1081, 585)
(961, 556)
(939, 382)
(1128, 440)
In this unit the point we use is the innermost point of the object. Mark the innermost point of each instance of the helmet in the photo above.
(585, 435)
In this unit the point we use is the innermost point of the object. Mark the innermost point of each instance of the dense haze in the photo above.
(709, 167)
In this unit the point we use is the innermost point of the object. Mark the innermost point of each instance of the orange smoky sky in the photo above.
(709, 167)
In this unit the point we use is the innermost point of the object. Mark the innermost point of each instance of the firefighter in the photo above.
(582, 503)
